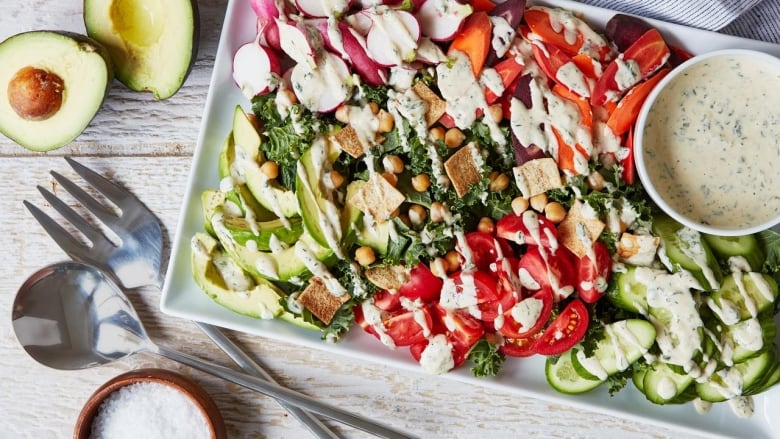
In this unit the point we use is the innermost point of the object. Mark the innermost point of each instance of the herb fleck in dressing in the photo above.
(711, 147)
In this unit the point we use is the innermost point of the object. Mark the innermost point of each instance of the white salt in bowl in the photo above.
(143, 402)
(706, 142)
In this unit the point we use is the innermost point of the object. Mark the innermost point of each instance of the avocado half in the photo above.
(153, 43)
(51, 86)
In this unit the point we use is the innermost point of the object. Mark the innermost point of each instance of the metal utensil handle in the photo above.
(282, 393)
(315, 426)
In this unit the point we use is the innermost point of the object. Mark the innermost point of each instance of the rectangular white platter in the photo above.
(182, 298)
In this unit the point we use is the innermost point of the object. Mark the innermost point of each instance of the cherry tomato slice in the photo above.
(471, 288)
(422, 284)
(386, 300)
(565, 331)
(519, 347)
(528, 228)
(551, 270)
(484, 250)
(593, 276)
(537, 307)
(403, 327)
(462, 329)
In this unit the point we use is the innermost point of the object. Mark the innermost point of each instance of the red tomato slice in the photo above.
(422, 284)
(519, 347)
(485, 286)
(593, 275)
(553, 270)
(485, 249)
(458, 354)
(565, 331)
(515, 330)
(405, 329)
(528, 228)
(491, 310)
(462, 329)
(386, 301)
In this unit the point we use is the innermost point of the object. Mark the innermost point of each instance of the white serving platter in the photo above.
(182, 298)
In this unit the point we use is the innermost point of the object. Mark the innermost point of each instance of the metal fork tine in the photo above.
(87, 200)
(117, 194)
(65, 240)
(92, 233)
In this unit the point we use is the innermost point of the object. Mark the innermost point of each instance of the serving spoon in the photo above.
(71, 316)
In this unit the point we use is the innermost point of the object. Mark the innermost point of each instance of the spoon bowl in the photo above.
(72, 316)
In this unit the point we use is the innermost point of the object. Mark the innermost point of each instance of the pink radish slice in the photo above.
(265, 9)
(255, 69)
(323, 87)
(392, 38)
(322, 8)
(442, 19)
(360, 21)
(296, 42)
(370, 71)
(330, 30)
(268, 33)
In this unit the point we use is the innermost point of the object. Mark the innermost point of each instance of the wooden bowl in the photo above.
(194, 392)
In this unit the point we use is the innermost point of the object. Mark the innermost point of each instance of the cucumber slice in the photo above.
(579, 367)
(662, 384)
(562, 377)
(771, 377)
(688, 252)
(749, 372)
(630, 294)
(760, 292)
(745, 246)
(741, 352)
(638, 378)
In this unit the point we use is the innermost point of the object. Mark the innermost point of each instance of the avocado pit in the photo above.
(35, 94)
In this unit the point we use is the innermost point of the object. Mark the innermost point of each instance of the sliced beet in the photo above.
(624, 30)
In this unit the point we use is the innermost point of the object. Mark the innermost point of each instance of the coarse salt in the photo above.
(149, 410)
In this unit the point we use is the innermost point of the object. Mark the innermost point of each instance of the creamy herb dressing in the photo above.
(572, 27)
(527, 311)
(503, 34)
(437, 358)
(710, 142)
(402, 43)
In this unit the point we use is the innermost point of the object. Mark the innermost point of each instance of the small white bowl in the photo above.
(714, 173)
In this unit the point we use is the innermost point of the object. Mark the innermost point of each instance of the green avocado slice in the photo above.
(152, 43)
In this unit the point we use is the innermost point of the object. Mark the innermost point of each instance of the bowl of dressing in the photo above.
(150, 403)
(707, 142)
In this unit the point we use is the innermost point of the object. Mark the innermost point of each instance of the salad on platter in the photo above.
(457, 180)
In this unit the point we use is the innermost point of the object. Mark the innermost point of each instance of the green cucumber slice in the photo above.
(746, 246)
(562, 377)
(760, 293)
(630, 294)
(662, 384)
(681, 245)
(749, 372)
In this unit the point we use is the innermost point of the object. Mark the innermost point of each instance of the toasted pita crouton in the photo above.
(462, 168)
(580, 229)
(348, 140)
(637, 249)
(537, 176)
(320, 301)
(378, 198)
(388, 277)
(436, 105)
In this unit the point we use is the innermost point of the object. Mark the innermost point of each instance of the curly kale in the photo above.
(487, 359)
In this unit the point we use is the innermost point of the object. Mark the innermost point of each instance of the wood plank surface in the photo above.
(147, 146)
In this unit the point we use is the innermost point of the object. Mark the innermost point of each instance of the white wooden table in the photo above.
(147, 146)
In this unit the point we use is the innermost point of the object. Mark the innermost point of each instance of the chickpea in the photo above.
(519, 205)
(393, 163)
(555, 212)
(342, 114)
(439, 267)
(386, 122)
(496, 113)
(595, 181)
(454, 137)
(336, 179)
(453, 260)
(365, 255)
(437, 212)
(417, 214)
(391, 178)
(486, 225)
(421, 182)
(374, 107)
(270, 169)
(500, 183)
(436, 133)
(538, 202)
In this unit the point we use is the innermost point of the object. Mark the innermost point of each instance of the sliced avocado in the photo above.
(314, 199)
(210, 201)
(239, 194)
(153, 43)
(51, 86)
(225, 282)
(376, 236)
(248, 158)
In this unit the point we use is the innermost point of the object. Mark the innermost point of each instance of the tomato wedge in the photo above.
(565, 331)
(551, 270)
(528, 228)
(403, 327)
(471, 288)
(537, 309)
(519, 347)
(593, 275)
(386, 300)
(485, 249)
(462, 330)
(422, 284)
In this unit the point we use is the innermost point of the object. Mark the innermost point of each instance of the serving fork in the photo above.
(136, 259)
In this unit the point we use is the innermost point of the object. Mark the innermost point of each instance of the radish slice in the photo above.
(442, 19)
(393, 36)
(429, 52)
(298, 42)
(255, 69)
(360, 21)
(268, 33)
(322, 8)
(351, 46)
(265, 9)
(323, 87)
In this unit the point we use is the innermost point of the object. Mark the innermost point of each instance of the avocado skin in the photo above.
(86, 45)
(100, 28)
